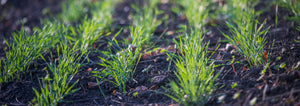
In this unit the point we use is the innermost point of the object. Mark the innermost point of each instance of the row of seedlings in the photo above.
(74, 43)
(195, 71)
(121, 66)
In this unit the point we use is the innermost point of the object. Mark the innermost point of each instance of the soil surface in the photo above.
(278, 87)
(30, 12)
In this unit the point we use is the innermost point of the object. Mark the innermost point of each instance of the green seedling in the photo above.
(249, 39)
(194, 72)
(196, 12)
(121, 66)
(135, 94)
(236, 95)
(103, 11)
(233, 85)
(94, 28)
(234, 10)
(74, 10)
(89, 31)
(52, 33)
(147, 19)
(53, 90)
(292, 5)
(265, 69)
(23, 51)
(282, 65)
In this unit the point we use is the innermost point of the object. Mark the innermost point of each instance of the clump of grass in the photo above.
(292, 5)
(103, 11)
(23, 50)
(246, 33)
(53, 90)
(146, 18)
(93, 29)
(52, 33)
(87, 33)
(74, 10)
(121, 66)
(194, 72)
(196, 12)
(249, 39)
(236, 9)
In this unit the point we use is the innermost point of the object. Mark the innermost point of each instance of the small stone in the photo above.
(158, 79)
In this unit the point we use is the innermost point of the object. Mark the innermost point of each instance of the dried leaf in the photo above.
(145, 56)
(154, 87)
(92, 85)
(89, 69)
(244, 68)
(83, 90)
(259, 87)
(265, 54)
(94, 46)
(114, 92)
(128, 39)
(233, 68)
(141, 88)
(234, 46)
(265, 91)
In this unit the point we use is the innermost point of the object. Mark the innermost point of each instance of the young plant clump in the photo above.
(146, 18)
(53, 90)
(121, 66)
(23, 51)
(247, 35)
(195, 79)
(292, 5)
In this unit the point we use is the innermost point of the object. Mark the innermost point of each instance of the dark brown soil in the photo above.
(277, 87)
(30, 12)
